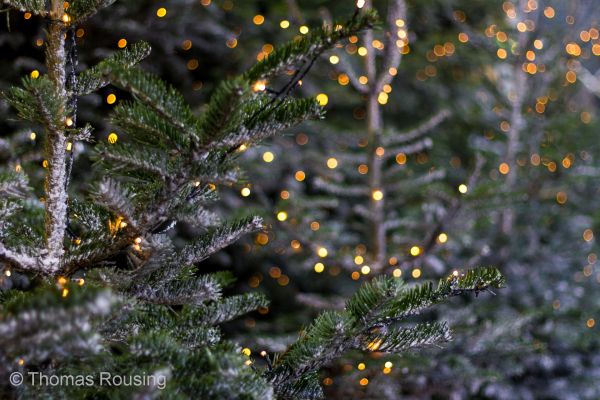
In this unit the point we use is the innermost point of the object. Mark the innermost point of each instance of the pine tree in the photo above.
(107, 290)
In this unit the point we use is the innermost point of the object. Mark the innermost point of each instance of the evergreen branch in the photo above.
(147, 127)
(13, 184)
(223, 114)
(217, 239)
(80, 10)
(396, 340)
(399, 138)
(309, 46)
(152, 91)
(368, 323)
(37, 7)
(127, 156)
(93, 78)
(232, 307)
(21, 260)
(117, 200)
(38, 102)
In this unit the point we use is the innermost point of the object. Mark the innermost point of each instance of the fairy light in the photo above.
(268, 156)
(462, 188)
(7, 272)
(122, 43)
(303, 29)
(282, 216)
(415, 251)
(358, 260)
(259, 85)
(161, 12)
(322, 99)
(69, 146)
(397, 273)
(32, 135)
(284, 24)
(35, 74)
(360, 3)
(319, 267)
(504, 168)
(377, 195)
(246, 351)
(332, 163)
(112, 138)
(416, 273)
(69, 121)
(365, 270)
(361, 366)
(442, 238)
(322, 252)
(65, 292)
(334, 59)
(258, 19)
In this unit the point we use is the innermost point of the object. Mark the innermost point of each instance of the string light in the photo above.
(462, 188)
(245, 192)
(322, 99)
(415, 251)
(284, 24)
(161, 12)
(35, 74)
(319, 267)
(360, 3)
(268, 156)
(282, 216)
(322, 252)
(112, 138)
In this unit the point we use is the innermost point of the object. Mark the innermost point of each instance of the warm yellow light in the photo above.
(360, 3)
(259, 86)
(416, 273)
(35, 74)
(334, 59)
(122, 43)
(462, 188)
(112, 138)
(388, 364)
(590, 323)
(442, 238)
(319, 267)
(501, 53)
(268, 156)
(382, 98)
(69, 146)
(245, 192)
(362, 51)
(303, 29)
(322, 252)
(65, 292)
(332, 163)
(588, 235)
(397, 273)
(111, 98)
(299, 176)
(32, 136)
(361, 366)
(363, 382)
(7, 272)
(284, 24)
(246, 351)
(415, 251)
(358, 260)
(377, 195)
(504, 168)
(365, 269)
(161, 12)
(282, 216)
(322, 99)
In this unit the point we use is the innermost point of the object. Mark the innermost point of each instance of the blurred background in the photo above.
(476, 145)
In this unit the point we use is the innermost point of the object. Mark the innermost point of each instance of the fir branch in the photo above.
(80, 10)
(37, 7)
(400, 138)
(310, 46)
(152, 91)
(93, 78)
(217, 239)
